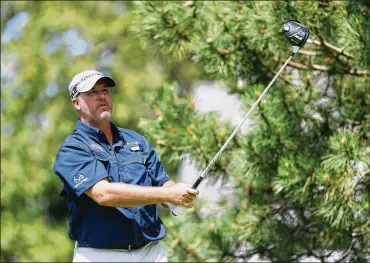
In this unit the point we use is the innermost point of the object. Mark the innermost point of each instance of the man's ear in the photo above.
(76, 103)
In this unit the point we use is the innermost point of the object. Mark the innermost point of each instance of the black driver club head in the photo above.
(296, 33)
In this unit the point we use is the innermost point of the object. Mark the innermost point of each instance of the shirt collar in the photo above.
(95, 133)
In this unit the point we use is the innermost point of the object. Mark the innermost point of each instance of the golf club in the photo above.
(297, 35)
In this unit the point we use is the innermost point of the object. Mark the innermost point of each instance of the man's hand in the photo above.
(181, 194)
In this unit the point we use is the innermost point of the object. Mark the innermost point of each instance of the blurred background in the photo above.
(293, 186)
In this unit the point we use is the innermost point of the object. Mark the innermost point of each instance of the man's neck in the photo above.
(104, 125)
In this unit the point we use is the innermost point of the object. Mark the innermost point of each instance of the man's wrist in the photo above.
(163, 195)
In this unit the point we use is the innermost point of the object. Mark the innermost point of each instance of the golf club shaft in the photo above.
(175, 209)
(201, 177)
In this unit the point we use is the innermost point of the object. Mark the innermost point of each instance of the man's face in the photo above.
(96, 104)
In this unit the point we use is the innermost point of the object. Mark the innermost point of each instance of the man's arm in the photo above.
(106, 193)
(166, 184)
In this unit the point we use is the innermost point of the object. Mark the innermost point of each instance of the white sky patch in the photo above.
(70, 40)
(211, 97)
(14, 27)
(8, 66)
(51, 89)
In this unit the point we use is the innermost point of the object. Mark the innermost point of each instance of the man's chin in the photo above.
(105, 115)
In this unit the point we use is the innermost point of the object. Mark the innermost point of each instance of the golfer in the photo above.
(113, 181)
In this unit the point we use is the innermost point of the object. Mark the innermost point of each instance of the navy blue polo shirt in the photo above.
(86, 157)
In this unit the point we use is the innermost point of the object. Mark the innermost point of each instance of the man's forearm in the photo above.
(127, 195)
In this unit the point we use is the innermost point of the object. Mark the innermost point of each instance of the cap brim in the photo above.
(90, 84)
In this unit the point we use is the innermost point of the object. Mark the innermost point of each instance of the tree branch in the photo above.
(304, 66)
(359, 72)
(310, 52)
(338, 50)
(355, 72)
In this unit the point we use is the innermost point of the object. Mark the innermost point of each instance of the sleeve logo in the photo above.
(79, 179)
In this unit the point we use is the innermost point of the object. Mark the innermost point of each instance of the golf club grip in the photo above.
(197, 182)
(175, 210)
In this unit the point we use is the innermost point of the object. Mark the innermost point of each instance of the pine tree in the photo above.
(302, 174)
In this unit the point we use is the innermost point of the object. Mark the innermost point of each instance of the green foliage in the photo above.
(234, 40)
(174, 132)
(36, 112)
(302, 173)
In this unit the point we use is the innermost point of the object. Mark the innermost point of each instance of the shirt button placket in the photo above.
(134, 210)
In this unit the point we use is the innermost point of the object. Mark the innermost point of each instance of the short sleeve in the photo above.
(78, 168)
(154, 166)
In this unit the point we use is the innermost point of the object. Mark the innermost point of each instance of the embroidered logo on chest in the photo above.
(134, 146)
(97, 147)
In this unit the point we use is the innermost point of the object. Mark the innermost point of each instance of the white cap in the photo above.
(86, 80)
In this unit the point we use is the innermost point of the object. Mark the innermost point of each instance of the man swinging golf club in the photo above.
(113, 181)
(113, 178)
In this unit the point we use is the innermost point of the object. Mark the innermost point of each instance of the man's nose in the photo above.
(101, 94)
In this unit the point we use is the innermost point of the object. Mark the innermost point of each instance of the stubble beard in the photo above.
(94, 117)
(105, 115)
